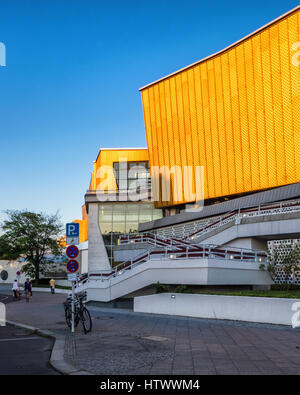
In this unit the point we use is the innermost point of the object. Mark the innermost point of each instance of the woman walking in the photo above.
(28, 289)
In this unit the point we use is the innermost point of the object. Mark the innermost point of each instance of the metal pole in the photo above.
(73, 306)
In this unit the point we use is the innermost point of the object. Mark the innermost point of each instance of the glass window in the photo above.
(119, 218)
(119, 213)
(107, 239)
(132, 213)
(105, 227)
(105, 213)
(145, 214)
(109, 251)
(118, 227)
(157, 213)
(131, 227)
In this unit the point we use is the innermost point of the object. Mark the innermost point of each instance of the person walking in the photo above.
(16, 290)
(52, 285)
(28, 289)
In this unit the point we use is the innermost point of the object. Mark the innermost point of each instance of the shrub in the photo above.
(182, 289)
(161, 288)
(285, 287)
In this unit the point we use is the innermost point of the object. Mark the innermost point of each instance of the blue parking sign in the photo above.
(72, 229)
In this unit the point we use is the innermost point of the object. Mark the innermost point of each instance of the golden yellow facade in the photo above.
(105, 161)
(103, 176)
(236, 113)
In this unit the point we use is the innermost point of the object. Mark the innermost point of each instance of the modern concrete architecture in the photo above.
(229, 123)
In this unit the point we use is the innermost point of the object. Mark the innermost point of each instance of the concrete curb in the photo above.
(57, 360)
(57, 290)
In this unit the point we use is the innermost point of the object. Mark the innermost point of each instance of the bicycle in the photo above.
(17, 294)
(27, 295)
(81, 313)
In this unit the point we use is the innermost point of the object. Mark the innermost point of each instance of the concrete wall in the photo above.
(184, 271)
(248, 242)
(97, 256)
(12, 267)
(264, 227)
(125, 252)
(239, 308)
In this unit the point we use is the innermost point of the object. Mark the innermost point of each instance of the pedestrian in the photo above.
(28, 289)
(52, 285)
(16, 289)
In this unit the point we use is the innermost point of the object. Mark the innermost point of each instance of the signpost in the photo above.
(72, 233)
(72, 237)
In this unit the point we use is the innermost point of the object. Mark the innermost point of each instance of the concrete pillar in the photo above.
(97, 257)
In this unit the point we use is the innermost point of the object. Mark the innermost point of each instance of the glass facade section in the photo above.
(118, 218)
(129, 175)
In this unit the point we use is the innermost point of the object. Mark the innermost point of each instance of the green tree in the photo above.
(32, 236)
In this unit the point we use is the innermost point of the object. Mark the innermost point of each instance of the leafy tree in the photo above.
(32, 236)
(6, 250)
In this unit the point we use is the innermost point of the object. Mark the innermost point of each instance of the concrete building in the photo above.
(229, 123)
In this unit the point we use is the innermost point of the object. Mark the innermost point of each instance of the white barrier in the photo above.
(238, 308)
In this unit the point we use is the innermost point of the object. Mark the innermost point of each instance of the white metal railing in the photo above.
(188, 252)
(191, 231)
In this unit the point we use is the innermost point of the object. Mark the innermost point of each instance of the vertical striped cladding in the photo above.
(236, 114)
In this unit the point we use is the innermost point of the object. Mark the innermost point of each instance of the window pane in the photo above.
(132, 213)
(105, 213)
(131, 227)
(145, 217)
(157, 213)
(119, 227)
(105, 227)
(109, 251)
(119, 214)
(123, 165)
(107, 239)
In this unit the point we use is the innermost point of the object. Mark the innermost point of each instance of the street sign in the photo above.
(72, 266)
(72, 233)
(72, 252)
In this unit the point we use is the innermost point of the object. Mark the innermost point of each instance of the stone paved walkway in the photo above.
(123, 342)
(118, 345)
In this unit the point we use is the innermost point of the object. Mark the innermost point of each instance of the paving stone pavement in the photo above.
(180, 345)
(120, 343)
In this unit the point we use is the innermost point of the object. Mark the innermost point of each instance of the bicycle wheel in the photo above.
(86, 320)
(68, 316)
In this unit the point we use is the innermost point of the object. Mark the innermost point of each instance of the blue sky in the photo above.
(71, 82)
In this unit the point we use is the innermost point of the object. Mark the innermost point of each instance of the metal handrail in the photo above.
(193, 251)
(266, 209)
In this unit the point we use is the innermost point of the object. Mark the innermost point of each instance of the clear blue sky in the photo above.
(72, 77)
